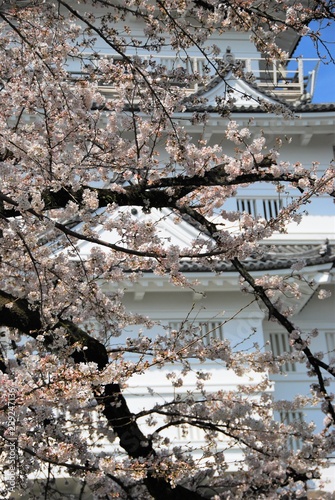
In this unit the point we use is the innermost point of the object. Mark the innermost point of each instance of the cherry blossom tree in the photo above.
(75, 159)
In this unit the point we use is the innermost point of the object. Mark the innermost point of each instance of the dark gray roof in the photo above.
(315, 107)
(300, 107)
(270, 258)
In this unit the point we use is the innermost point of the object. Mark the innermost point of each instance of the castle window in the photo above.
(203, 330)
(330, 340)
(292, 418)
(279, 343)
(268, 208)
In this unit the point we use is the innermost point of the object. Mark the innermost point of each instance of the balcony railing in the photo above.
(293, 81)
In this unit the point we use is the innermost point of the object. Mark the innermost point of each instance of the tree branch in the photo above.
(260, 293)
(17, 313)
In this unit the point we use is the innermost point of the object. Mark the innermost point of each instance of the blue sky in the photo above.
(325, 84)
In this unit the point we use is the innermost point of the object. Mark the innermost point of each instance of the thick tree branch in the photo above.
(158, 194)
(161, 193)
